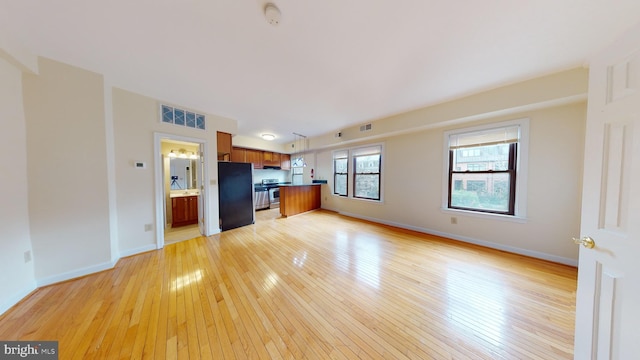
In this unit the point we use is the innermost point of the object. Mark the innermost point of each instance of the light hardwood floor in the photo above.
(181, 233)
(316, 286)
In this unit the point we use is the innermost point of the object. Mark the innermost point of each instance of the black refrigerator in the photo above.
(235, 194)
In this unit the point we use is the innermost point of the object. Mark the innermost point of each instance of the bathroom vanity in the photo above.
(184, 210)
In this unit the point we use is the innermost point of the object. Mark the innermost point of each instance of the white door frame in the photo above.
(159, 182)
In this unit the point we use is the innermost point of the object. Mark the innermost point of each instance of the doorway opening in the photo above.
(181, 205)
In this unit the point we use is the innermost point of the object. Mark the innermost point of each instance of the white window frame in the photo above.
(522, 165)
(351, 171)
(340, 155)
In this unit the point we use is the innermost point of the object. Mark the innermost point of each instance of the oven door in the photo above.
(274, 198)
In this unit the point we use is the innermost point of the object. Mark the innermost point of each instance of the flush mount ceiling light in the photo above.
(272, 14)
(268, 137)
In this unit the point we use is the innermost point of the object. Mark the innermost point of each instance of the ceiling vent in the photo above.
(366, 127)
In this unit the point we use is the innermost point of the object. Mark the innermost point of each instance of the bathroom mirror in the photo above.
(183, 174)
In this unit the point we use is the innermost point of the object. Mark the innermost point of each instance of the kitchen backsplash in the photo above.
(281, 175)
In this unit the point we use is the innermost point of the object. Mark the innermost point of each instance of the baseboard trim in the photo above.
(488, 244)
(139, 250)
(72, 275)
(76, 273)
(18, 297)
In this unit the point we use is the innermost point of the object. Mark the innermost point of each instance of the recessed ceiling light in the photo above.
(268, 137)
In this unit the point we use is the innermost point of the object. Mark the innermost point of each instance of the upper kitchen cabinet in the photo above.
(238, 154)
(285, 161)
(261, 159)
(254, 157)
(224, 146)
(271, 159)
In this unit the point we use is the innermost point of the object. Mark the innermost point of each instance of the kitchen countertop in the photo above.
(182, 194)
(314, 182)
(294, 185)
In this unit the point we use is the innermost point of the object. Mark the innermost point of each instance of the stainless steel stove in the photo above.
(273, 186)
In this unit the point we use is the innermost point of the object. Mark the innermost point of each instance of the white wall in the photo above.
(257, 143)
(67, 171)
(565, 87)
(17, 278)
(136, 119)
(413, 176)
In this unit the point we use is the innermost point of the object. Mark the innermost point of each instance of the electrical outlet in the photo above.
(148, 227)
(27, 256)
(454, 220)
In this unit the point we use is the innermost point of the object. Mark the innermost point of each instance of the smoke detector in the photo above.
(272, 14)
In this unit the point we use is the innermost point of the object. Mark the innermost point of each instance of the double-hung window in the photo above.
(357, 172)
(366, 172)
(340, 172)
(483, 168)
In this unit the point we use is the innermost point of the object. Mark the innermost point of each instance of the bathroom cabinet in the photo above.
(184, 210)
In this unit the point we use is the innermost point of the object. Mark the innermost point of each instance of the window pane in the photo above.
(167, 114)
(179, 119)
(492, 157)
(191, 119)
(481, 191)
(367, 186)
(296, 179)
(200, 121)
(368, 164)
(340, 186)
(341, 165)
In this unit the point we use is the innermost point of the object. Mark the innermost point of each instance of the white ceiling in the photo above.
(328, 65)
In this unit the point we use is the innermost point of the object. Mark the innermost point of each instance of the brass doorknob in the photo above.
(586, 242)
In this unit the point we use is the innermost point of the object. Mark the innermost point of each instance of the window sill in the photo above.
(380, 202)
(499, 217)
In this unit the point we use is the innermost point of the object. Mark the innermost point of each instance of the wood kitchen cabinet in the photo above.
(255, 157)
(271, 158)
(238, 154)
(297, 199)
(260, 158)
(285, 161)
(184, 211)
(224, 146)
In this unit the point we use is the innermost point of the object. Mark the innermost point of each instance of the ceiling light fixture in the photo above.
(297, 159)
(182, 154)
(272, 14)
(268, 137)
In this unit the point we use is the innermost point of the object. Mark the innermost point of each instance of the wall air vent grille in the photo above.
(366, 127)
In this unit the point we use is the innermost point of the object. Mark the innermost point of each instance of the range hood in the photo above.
(271, 167)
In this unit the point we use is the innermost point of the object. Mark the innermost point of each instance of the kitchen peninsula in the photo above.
(296, 199)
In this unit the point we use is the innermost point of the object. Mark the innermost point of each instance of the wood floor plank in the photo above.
(314, 286)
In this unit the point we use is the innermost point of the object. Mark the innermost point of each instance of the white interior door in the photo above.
(608, 297)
